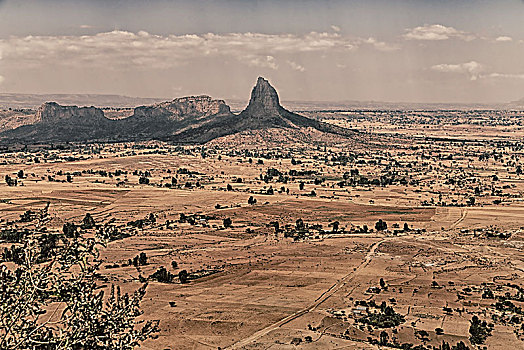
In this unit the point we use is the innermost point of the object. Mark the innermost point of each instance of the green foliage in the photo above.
(479, 330)
(162, 275)
(88, 222)
(385, 318)
(227, 222)
(183, 276)
(70, 230)
(50, 300)
(13, 235)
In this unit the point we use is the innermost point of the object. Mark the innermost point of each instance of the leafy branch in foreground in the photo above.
(49, 299)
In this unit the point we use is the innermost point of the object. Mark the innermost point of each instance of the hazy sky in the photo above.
(415, 51)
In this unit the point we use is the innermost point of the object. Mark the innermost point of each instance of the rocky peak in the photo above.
(264, 98)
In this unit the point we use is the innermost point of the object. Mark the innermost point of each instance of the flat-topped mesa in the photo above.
(184, 107)
(191, 105)
(264, 98)
(51, 112)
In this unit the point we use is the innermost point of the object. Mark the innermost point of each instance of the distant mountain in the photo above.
(18, 101)
(194, 119)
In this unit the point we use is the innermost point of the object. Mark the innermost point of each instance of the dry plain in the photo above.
(302, 266)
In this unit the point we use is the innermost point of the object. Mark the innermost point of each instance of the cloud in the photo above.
(380, 45)
(472, 68)
(503, 39)
(436, 32)
(262, 62)
(504, 76)
(296, 66)
(475, 71)
(123, 50)
(86, 26)
(335, 28)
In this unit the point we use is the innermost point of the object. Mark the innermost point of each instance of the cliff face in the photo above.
(264, 110)
(195, 106)
(183, 108)
(52, 112)
(56, 123)
(264, 99)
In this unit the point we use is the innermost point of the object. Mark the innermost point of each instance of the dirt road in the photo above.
(327, 294)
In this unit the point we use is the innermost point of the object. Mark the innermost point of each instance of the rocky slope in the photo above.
(162, 120)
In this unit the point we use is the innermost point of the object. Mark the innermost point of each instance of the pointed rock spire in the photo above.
(264, 98)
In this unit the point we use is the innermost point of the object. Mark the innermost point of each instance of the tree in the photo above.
(88, 222)
(382, 283)
(384, 337)
(10, 181)
(252, 200)
(299, 225)
(162, 275)
(479, 330)
(301, 186)
(142, 259)
(70, 230)
(183, 276)
(227, 222)
(335, 225)
(381, 225)
(62, 286)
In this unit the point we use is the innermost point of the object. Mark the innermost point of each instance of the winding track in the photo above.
(327, 294)
(463, 213)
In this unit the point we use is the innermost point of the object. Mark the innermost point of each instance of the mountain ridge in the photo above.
(191, 119)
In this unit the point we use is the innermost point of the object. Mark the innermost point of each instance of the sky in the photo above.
(354, 50)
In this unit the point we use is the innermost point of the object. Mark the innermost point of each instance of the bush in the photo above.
(162, 275)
